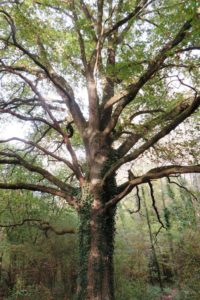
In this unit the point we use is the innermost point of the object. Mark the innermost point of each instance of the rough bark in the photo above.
(107, 30)
(96, 245)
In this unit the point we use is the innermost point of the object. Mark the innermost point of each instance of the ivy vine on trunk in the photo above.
(110, 69)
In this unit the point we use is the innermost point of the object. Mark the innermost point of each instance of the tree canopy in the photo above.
(101, 65)
(121, 74)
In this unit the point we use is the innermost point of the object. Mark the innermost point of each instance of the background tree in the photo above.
(38, 255)
(126, 73)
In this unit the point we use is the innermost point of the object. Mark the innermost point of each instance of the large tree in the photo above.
(125, 72)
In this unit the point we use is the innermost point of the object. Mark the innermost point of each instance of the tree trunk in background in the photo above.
(169, 236)
(154, 255)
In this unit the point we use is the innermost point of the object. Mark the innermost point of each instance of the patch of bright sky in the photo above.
(12, 128)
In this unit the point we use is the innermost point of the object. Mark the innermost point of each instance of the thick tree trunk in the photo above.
(96, 253)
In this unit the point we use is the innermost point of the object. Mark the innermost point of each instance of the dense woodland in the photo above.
(39, 261)
(99, 149)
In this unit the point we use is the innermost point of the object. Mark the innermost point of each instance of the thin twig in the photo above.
(182, 187)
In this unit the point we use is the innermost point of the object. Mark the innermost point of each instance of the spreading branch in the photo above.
(131, 15)
(126, 96)
(44, 226)
(45, 151)
(154, 139)
(55, 123)
(152, 174)
(18, 160)
(59, 82)
(39, 188)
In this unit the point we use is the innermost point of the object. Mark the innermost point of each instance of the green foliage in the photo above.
(36, 264)
(177, 247)
(40, 268)
(53, 41)
(137, 290)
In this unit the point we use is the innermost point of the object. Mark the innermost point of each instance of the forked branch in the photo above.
(154, 139)
(126, 96)
(42, 225)
(152, 174)
(39, 188)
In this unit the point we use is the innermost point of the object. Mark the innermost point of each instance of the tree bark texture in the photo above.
(96, 246)
(96, 257)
